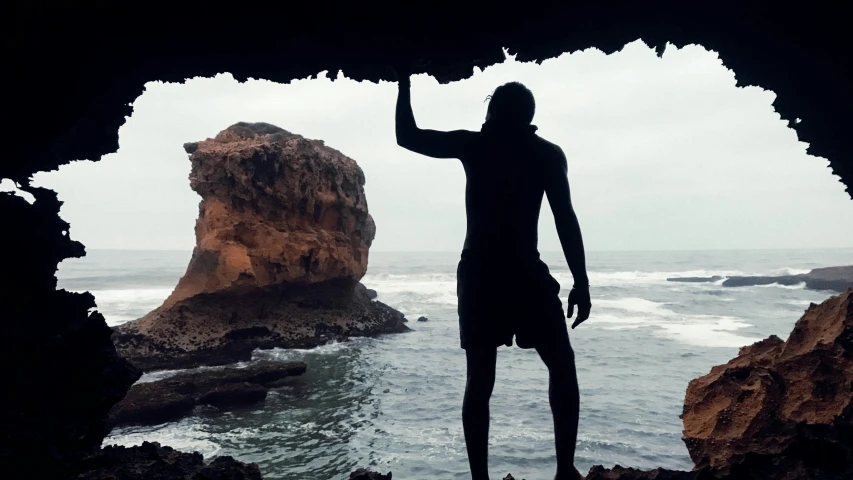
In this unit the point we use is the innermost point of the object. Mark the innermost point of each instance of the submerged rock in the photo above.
(150, 461)
(423, 319)
(780, 406)
(176, 396)
(282, 241)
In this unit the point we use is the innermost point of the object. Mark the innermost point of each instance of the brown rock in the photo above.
(281, 242)
(276, 208)
(176, 396)
(780, 403)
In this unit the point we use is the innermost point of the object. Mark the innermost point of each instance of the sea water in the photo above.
(393, 403)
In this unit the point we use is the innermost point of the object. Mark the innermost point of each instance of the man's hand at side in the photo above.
(579, 296)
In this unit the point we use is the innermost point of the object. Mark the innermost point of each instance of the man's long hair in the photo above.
(512, 104)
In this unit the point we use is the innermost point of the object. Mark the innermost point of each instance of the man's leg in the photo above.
(557, 354)
(475, 408)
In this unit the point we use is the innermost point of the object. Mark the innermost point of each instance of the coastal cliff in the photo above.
(282, 241)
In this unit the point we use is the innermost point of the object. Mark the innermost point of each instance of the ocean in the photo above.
(393, 403)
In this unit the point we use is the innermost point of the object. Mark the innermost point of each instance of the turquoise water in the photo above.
(394, 402)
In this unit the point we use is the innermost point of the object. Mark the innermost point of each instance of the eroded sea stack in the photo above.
(282, 241)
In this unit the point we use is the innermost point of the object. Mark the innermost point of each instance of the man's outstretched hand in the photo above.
(579, 296)
(401, 73)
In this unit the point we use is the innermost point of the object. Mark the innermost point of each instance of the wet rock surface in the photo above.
(282, 240)
(176, 396)
(150, 461)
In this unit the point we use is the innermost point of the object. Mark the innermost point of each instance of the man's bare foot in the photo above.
(577, 476)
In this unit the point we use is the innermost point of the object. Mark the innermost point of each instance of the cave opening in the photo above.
(717, 197)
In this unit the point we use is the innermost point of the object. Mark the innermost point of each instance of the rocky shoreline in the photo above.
(836, 279)
(150, 461)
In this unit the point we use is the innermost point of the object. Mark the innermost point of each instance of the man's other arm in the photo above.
(569, 231)
(431, 143)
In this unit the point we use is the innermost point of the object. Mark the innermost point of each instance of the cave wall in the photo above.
(74, 70)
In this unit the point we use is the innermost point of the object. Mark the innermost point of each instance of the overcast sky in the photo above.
(663, 154)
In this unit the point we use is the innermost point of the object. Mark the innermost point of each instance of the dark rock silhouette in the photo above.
(837, 279)
(371, 293)
(365, 474)
(176, 396)
(150, 461)
(61, 373)
(281, 242)
(798, 53)
(621, 473)
(423, 319)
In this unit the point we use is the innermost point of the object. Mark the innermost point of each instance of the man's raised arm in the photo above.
(569, 231)
(426, 142)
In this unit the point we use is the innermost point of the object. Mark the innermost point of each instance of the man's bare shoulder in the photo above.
(551, 151)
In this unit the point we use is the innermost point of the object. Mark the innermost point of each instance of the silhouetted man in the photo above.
(503, 288)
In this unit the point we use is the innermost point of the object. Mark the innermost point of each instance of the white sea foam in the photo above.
(707, 332)
(798, 286)
(185, 435)
(147, 295)
(789, 271)
(698, 330)
(290, 354)
(120, 306)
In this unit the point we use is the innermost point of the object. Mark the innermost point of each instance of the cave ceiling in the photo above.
(76, 69)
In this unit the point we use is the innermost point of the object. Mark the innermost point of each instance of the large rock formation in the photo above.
(276, 208)
(176, 396)
(282, 239)
(780, 406)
